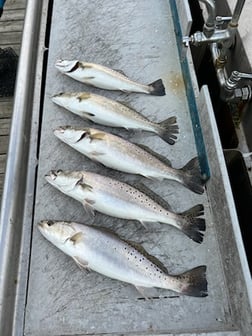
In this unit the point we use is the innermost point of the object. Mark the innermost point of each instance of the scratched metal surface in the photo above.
(138, 38)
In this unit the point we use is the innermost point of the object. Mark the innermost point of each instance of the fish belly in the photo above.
(109, 258)
(107, 81)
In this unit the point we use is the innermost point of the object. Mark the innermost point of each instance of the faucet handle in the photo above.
(235, 77)
(220, 20)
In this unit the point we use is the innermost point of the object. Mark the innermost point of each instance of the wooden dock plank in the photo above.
(13, 15)
(4, 141)
(15, 47)
(2, 163)
(11, 26)
(10, 38)
(5, 126)
(1, 185)
(6, 106)
(14, 4)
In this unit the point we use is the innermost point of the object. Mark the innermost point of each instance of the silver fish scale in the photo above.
(139, 154)
(120, 255)
(123, 191)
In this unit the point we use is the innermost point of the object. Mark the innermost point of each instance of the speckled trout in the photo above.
(106, 78)
(104, 252)
(121, 200)
(108, 112)
(117, 153)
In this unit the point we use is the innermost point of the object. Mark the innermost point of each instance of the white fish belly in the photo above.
(116, 259)
(114, 206)
(107, 81)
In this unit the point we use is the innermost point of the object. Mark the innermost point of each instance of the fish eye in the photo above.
(50, 223)
(61, 129)
(59, 171)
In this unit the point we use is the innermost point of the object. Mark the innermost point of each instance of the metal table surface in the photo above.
(53, 296)
(137, 37)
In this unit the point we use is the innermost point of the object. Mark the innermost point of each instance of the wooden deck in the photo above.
(11, 26)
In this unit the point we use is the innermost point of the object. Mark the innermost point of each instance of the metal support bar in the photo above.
(237, 12)
(12, 209)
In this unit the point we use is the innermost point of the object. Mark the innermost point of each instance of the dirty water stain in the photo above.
(174, 82)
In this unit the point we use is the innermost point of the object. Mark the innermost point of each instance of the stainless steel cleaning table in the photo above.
(42, 291)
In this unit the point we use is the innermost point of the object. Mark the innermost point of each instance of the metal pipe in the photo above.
(209, 25)
(237, 12)
(210, 5)
(232, 29)
(220, 71)
(12, 209)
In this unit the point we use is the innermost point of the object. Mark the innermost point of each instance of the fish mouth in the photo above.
(57, 95)
(52, 175)
(66, 66)
(61, 129)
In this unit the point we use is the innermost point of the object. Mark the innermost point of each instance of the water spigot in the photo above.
(235, 93)
(220, 20)
(235, 77)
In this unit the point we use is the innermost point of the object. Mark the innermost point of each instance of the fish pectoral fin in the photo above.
(97, 136)
(142, 291)
(84, 185)
(88, 207)
(76, 238)
(81, 263)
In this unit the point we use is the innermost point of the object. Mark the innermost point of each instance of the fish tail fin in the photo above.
(157, 88)
(192, 282)
(191, 225)
(168, 130)
(192, 178)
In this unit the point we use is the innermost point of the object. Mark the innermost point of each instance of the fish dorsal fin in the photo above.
(155, 154)
(76, 238)
(126, 104)
(97, 136)
(120, 71)
(108, 231)
(155, 197)
(150, 257)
